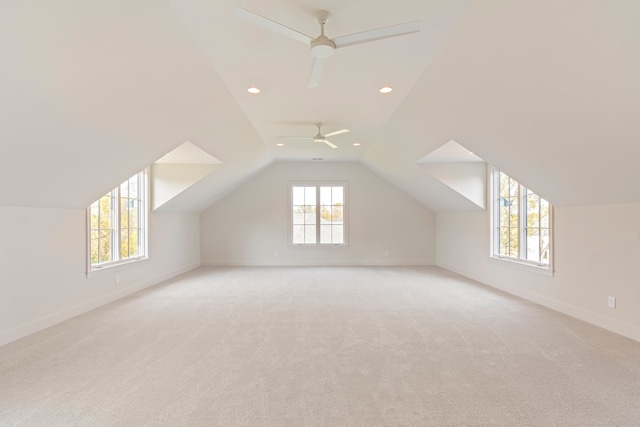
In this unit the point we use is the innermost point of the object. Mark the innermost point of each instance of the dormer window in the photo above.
(521, 223)
(117, 224)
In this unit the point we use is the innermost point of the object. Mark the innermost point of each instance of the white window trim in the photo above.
(523, 264)
(114, 267)
(111, 266)
(345, 214)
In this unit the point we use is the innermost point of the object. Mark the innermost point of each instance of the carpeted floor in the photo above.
(329, 346)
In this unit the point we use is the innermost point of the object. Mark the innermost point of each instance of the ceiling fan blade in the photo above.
(338, 132)
(330, 144)
(316, 72)
(273, 26)
(377, 34)
(295, 137)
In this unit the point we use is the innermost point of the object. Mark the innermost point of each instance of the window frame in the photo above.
(345, 213)
(116, 230)
(523, 192)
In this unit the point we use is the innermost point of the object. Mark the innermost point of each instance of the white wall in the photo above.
(170, 179)
(597, 254)
(249, 226)
(467, 178)
(43, 264)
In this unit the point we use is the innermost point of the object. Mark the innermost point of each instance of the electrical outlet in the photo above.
(612, 302)
(386, 253)
(117, 279)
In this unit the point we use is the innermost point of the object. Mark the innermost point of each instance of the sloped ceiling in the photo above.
(92, 92)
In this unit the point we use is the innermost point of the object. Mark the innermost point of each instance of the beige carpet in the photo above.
(331, 346)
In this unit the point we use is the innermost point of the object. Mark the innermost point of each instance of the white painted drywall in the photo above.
(250, 225)
(596, 253)
(467, 178)
(170, 179)
(43, 264)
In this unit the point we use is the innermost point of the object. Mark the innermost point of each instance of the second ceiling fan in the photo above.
(319, 136)
(322, 47)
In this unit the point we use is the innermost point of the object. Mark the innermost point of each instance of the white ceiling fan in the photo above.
(322, 47)
(319, 136)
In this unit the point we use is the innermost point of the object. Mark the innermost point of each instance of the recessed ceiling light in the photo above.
(253, 90)
(385, 89)
(356, 144)
(280, 144)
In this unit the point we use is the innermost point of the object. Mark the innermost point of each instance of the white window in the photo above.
(521, 222)
(117, 224)
(318, 213)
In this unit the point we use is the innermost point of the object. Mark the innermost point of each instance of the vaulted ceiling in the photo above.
(92, 92)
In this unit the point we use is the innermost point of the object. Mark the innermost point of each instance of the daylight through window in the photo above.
(521, 222)
(318, 213)
(118, 224)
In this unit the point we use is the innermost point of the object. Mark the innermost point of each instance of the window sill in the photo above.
(112, 268)
(545, 270)
(317, 246)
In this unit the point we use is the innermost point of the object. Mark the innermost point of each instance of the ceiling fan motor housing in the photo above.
(322, 47)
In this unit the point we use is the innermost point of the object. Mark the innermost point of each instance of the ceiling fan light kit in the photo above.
(322, 48)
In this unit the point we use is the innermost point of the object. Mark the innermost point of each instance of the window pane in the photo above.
(507, 218)
(504, 241)
(325, 214)
(133, 187)
(298, 234)
(298, 214)
(93, 214)
(104, 246)
(325, 196)
(504, 185)
(514, 219)
(533, 244)
(94, 247)
(124, 244)
(298, 196)
(133, 242)
(124, 189)
(513, 241)
(513, 188)
(325, 234)
(117, 222)
(310, 196)
(124, 213)
(337, 213)
(337, 194)
(545, 242)
(504, 216)
(337, 235)
(309, 234)
(310, 215)
(316, 209)
(105, 219)
(544, 213)
(134, 216)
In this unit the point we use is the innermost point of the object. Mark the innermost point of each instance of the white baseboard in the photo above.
(52, 319)
(596, 319)
(315, 263)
